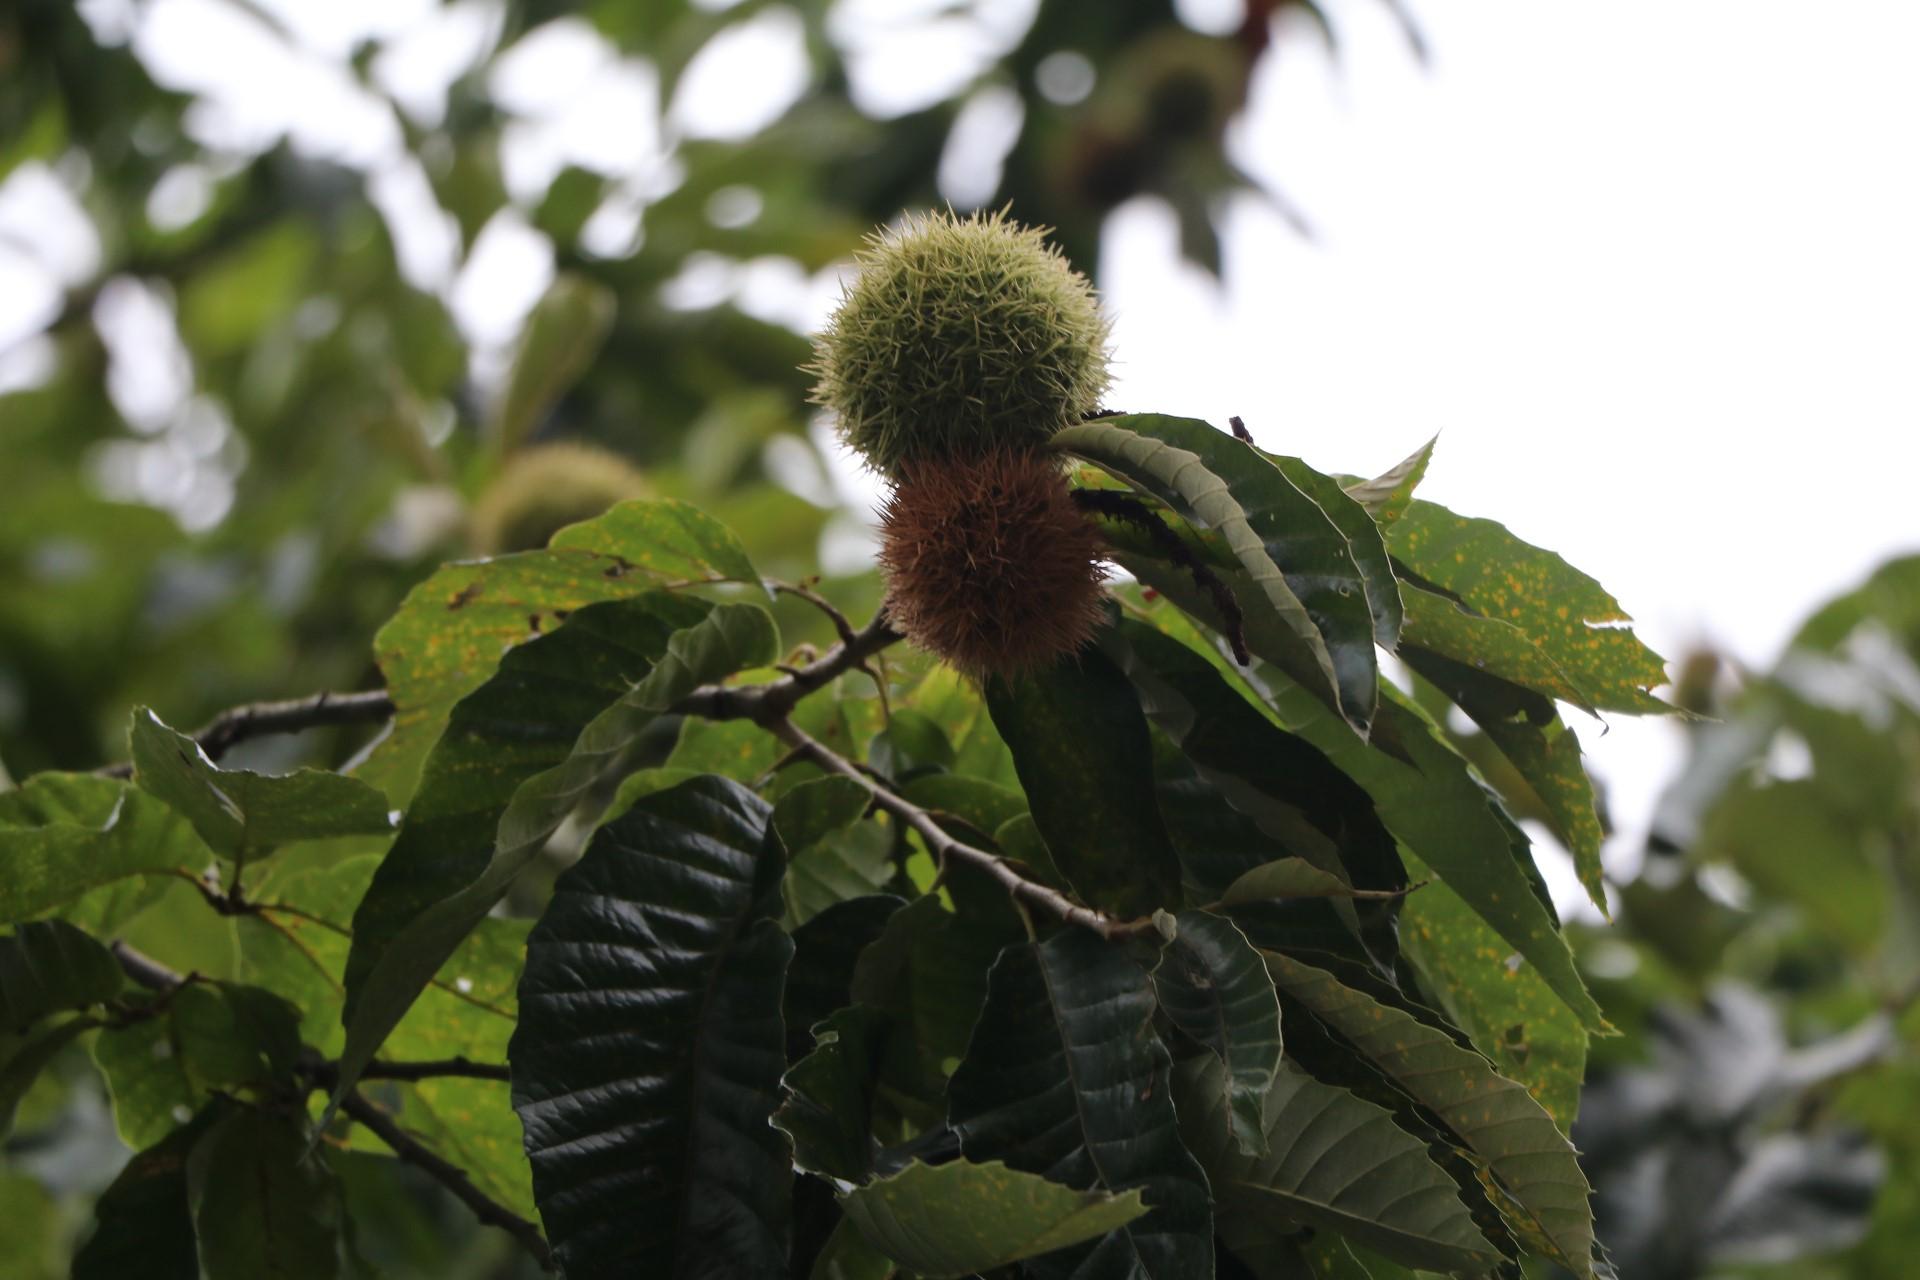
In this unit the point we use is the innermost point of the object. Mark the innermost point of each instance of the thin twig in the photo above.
(945, 848)
(447, 1174)
(262, 719)
(464, 1068)
(801, 591)
(768, 704)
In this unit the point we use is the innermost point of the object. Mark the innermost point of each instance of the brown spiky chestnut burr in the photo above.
(989, 563)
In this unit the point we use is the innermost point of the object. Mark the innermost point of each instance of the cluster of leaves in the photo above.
(1759, 1116)
(328, 393)
(1150, 963)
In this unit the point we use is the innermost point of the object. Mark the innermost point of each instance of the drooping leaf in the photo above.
(1504, 1005)
(1334, 1162)
(1287, 784)
(1106, 1124)
(49, 967)
(1434, 807)
(144, 1219)
(62, 835)
(1303, 596)
(1495, 1117)
(1569, 615)
(1080, 744)
(448, 635)
(463, 865)
(961, 1218)
(1211, 984)
(1387, 495)
(1543, 752)
(261, 1206)
(647, 1061)
(561, 338)
(827, 1112)
(244, 815)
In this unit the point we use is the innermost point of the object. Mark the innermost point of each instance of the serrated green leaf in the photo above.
(1107, 1124)
(1080, 744)
(832, 854)
(1569, 615)
(1304, 598)
(448, 635)
(1334, 1162)
(261, 1207)
(1211, 984)
(1504, 1006)
(959, 1218)
(49, 967)
(826, 950)
(647, 1060)
(62, 835)
(486, 856)
(1492, 645)
(563, 334)
(1547, 771)
(1495, 1117)
(244, 815)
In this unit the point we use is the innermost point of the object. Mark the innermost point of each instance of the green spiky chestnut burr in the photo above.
(959, 337)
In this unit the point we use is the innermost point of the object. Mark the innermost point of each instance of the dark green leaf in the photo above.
(261, 1205)
(1284, 782)
(445, 874)
(825, 951)
(1364, 543)
(1064, 1078)
(832, 855)
(51, 967)
(1573, 620)
(144, 1219)
(1211, 984)
(1080, 743)
(1334, 1162)
(982, 805)
(910, 745)
(1303, 596)
(1387, 495)
(829, 1092)
(960, 1218)
(64, 834)
(647, 1061)
(1288, 878)
(1495, 1117)
(928, 969)
(244, 815)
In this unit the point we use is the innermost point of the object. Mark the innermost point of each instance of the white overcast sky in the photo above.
(1649, 266)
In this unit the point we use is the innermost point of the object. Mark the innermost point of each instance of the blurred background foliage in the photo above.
(284, 373)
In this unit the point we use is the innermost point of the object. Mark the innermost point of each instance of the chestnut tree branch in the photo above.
(945, 849)
(262, 719)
